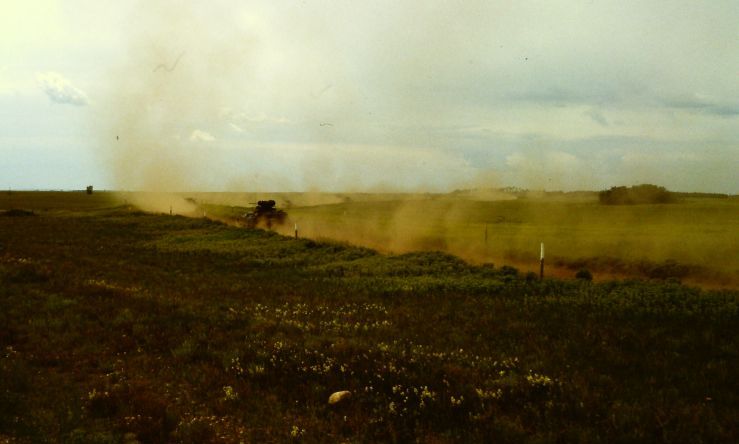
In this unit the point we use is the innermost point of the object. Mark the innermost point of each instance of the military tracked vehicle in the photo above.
(264, 215)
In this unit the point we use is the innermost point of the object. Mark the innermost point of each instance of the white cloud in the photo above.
(61, 90)
(201, 136)
(236, 127)
(243, 118)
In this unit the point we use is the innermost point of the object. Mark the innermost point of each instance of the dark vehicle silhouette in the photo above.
(264, 215)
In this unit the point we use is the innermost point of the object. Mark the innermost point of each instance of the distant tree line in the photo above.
(638, 194)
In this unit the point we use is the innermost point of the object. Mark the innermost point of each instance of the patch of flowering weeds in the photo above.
(320, 319)
(398, 384)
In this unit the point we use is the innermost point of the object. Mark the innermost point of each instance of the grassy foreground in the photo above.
(120, 326)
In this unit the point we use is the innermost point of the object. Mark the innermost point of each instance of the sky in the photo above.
(369, 96)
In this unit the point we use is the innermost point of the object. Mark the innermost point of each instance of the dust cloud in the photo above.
(578, 231)
(183, 114)
(165, 97)
(160, 202)
(214, 97)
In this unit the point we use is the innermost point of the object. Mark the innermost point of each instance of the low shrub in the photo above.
(639, 194)
(584, 275)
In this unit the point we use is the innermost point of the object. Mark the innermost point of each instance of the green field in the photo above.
(118, 325)
(694, 240)
(701, 232)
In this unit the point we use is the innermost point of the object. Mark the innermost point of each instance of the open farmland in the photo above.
(118, 325)
(694, 240)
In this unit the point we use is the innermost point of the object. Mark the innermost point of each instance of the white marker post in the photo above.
(541, 263)
(296, 230)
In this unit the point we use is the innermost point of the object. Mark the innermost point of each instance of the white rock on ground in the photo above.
(338, 397)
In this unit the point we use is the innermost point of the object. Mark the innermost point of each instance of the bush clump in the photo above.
(17, 213)
(507, 270)
(584, 275)
(639, 194)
